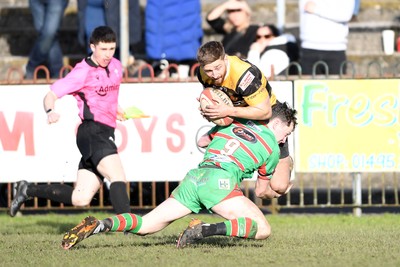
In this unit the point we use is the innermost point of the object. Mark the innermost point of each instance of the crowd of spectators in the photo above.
(171, 37)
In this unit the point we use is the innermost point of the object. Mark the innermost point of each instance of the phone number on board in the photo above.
(380, 161)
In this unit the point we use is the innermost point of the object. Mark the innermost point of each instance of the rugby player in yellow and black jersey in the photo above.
(251, 95)
(245, 84)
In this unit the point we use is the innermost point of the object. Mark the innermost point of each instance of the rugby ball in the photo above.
(212, 96)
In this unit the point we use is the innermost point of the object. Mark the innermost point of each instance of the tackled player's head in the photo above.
(283, 121)
(285, 113)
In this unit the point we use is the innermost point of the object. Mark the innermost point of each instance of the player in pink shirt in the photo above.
(94, 82)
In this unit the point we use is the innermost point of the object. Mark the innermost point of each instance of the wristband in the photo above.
(48, 111)
(261, 177)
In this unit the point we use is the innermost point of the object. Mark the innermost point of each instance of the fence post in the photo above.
(357, 194)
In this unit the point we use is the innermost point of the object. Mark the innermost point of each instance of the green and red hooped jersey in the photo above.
(243, 147)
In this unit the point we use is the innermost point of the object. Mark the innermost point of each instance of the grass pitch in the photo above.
(297, 240)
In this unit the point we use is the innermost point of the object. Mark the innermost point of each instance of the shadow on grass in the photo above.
(155, 241)
(60, 228)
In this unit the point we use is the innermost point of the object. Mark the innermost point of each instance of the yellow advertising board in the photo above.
(347, 125)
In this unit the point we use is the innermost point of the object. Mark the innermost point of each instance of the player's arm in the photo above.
(281, 176)
(263, 190)
(260, 111)
(206, 138)
(256, 92)
(48, 105)
(121, 114)
(263, 184)
(256, 110)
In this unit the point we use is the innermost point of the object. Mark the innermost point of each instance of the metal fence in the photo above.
(312, 192)
(165, 72)
(322, 192)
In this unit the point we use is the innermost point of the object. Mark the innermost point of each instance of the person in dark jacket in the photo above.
(94, 13)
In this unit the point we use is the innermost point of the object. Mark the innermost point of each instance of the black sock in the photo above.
(56, 192)
(108, 223)
(119, 198)
(213, 229)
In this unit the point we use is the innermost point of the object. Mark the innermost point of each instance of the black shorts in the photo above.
(95, 141)
(332, 59)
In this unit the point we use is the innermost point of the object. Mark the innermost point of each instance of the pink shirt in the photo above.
(95, 89)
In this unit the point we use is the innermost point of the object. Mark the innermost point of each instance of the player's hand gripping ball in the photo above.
(211, 96)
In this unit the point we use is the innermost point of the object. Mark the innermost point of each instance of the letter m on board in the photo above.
(23, 126)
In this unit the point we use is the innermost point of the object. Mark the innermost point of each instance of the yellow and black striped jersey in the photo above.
(245, 84)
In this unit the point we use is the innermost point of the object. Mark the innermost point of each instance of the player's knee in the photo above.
(81, 202)
(263, 230)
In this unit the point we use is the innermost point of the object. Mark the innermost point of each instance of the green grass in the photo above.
(297, 240)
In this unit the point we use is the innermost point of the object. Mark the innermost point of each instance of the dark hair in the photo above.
(103, 34)
(274, 30)
(210, 52)
(285, 113)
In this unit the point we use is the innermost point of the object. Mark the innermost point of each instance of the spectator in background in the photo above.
(232, 19)
(94, 13)
(271, 48)
(323, 33)
(47, 16)
(173, 32)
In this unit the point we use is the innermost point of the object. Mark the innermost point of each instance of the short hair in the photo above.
(285, 113)
(103, 34)
(210, 52)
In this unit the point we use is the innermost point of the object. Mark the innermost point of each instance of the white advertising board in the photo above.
(159, 148)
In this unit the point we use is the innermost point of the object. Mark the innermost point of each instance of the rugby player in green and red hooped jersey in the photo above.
(235, 153)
